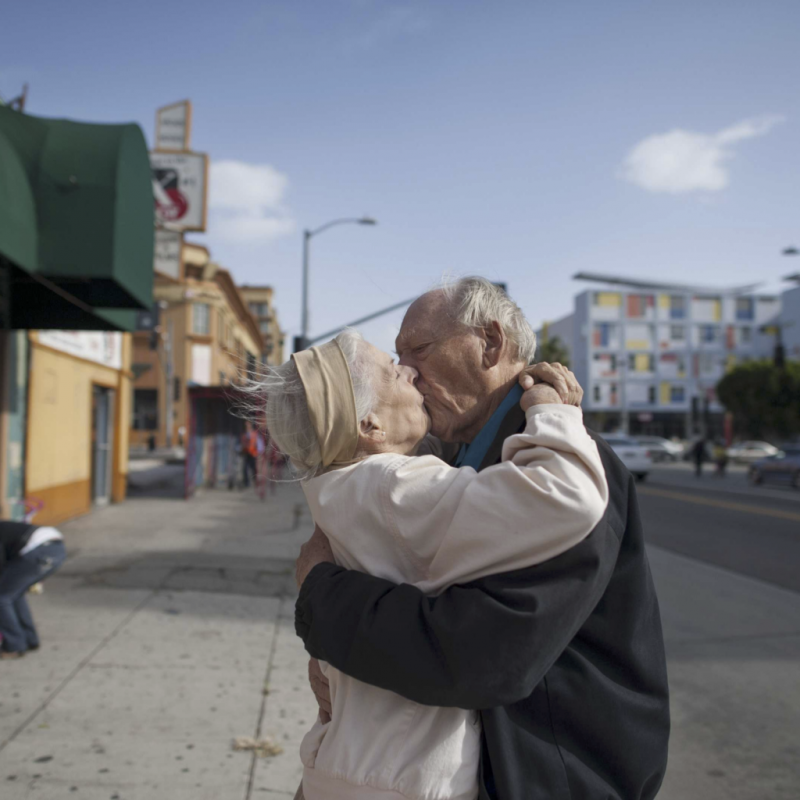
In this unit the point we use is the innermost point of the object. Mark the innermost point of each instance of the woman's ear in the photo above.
(494, 339)
(370, 428)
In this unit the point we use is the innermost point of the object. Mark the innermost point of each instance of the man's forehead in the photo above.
(425, 319)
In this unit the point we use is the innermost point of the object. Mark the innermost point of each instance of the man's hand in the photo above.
(535, 378)
(316, 550)
(322, 690)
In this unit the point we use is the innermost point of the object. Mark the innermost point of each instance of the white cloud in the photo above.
(247, 229)
(249, 201)
(684, 161)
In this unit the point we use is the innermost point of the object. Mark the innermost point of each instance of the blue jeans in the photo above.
(18, 575)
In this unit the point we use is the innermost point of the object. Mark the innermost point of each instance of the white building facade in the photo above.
(649, 356)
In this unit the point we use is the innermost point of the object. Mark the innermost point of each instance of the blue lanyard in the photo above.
(472, 454)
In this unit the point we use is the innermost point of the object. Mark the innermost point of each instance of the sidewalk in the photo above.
(169, 632)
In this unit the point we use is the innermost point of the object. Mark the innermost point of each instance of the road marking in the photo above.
(706, 501)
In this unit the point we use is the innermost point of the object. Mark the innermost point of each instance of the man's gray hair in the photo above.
(477, 303)
(279, 398)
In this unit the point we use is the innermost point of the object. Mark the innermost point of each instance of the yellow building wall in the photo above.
(58, 463)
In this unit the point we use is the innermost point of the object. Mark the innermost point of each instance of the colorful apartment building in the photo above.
(649, 355)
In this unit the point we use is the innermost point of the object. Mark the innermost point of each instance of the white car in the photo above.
(748, 452)
(636, 457)
(661, 449)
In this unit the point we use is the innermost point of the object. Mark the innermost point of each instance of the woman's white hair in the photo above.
(281, 397)
(477, 303)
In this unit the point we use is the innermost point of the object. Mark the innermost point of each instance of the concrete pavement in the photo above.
(169, 632)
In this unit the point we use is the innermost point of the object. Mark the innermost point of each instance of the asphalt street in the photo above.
(753, 531)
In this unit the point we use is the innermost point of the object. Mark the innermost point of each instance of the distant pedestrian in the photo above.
(249, 454)
(28, 554)
(699, 456)
(720, 459)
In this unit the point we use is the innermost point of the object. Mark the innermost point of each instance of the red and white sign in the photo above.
(180, 190)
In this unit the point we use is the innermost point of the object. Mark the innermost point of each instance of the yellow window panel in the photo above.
(717, 310)
(642, 362)
(609, 299)
(637, 344)
(665, 393)
(663, 301)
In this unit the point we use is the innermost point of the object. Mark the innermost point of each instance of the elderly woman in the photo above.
(351, 420)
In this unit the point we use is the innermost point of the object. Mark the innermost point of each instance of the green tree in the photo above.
(553, 350)
(764, 399)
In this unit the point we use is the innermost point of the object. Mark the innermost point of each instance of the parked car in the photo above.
(785, 466)
(661, 449)
(749, 452)
(636, 457)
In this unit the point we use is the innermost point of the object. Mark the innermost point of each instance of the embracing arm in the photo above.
(477, 645)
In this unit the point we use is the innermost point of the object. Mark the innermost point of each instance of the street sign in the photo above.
(167, 253)
(180, 184)
(174, 126)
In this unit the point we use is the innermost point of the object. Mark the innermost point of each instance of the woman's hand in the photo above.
(549, 383)
(315, 551)
(322, 690)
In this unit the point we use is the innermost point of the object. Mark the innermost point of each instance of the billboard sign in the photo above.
(167, 253)
(180, 182)
(100, 347)
(173, 126)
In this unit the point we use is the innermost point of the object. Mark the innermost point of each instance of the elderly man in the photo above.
(565, 659)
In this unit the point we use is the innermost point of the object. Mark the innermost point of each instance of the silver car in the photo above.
(748, 452)
(785, 466)
(661, 449)
(636, 457)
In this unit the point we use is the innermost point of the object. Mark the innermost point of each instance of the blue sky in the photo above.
(524, 141)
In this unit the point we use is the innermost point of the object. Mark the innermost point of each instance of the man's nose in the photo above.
(410, 373)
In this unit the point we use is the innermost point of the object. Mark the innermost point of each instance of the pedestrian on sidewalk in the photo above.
(249, 454)
(720, 458)
(699, 456)
(28, 554)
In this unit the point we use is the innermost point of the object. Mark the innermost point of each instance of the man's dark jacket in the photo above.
(564, 660)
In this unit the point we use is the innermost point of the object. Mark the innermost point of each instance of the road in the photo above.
(753, 531)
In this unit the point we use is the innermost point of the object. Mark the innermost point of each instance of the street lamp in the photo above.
(307, 235)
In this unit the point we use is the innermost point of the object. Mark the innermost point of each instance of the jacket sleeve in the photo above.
(477, 645)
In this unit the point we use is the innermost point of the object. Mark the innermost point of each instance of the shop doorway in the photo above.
(102, 443)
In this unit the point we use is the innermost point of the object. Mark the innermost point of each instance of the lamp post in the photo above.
(307, 236)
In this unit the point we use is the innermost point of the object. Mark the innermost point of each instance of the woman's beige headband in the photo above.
(331, 401)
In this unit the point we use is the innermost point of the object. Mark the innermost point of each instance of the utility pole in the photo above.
(302, 341)
(168, 371)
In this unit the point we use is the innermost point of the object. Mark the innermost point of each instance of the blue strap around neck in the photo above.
(472, 454)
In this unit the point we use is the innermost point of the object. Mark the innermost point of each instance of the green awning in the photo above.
(76, 208)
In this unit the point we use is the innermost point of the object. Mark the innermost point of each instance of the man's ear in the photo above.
(494, 339)
(370, 428)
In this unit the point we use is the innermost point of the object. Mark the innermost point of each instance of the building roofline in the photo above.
(635, 283)
(225, 280)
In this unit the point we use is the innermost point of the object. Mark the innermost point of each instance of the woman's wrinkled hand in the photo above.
(322, 690)
(316, 550)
